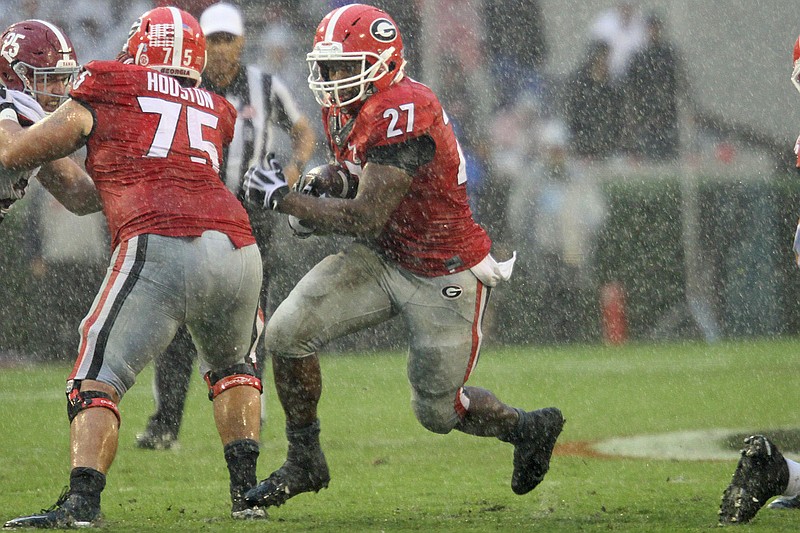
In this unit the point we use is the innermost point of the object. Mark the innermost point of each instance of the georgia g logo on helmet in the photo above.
(383, 30)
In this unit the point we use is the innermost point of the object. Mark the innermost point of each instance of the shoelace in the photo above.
(59, 502)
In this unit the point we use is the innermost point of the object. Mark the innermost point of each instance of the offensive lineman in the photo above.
(265, 105)
(37, 63)
(418, 254)
(184, 252)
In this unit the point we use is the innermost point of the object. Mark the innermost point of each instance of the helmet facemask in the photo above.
(369, 68)
(47, 83)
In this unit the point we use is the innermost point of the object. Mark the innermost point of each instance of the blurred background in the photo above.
(636, 154)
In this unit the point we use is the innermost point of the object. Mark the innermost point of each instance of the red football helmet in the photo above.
(364, 36)
(153, 42)
(38, 58)
(796, 65)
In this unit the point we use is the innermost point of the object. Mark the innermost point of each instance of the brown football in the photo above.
(331, 180)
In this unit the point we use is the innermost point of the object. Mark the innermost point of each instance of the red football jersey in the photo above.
(154, 154)
(432, 232)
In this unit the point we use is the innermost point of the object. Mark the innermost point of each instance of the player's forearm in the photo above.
(71, 186)
(9, 130)
(54, 137)
(380, 191)
(333, 215)
(28, 148)
(303, 139)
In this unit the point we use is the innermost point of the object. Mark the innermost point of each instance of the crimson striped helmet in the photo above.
(38, 58)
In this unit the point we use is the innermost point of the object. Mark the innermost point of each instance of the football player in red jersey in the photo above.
(183, 250)
(37, 63)
(418, 254)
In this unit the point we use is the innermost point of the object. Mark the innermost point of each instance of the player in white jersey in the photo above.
(37, 63)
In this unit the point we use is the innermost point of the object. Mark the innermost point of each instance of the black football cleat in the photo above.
(71, 511)
(762, 473)
(289, 481)
(533, 446)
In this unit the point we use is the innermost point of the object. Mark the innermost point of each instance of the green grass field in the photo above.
(389, 474)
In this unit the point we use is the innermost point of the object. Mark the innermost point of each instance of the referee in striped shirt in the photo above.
(263, 103)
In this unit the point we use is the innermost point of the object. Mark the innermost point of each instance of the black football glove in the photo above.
(265, 185)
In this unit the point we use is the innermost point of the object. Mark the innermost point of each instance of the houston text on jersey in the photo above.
(167, 85)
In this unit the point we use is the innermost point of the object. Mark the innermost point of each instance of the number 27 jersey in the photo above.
(432, 232)
(155, 152)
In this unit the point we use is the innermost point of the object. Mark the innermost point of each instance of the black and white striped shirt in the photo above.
(263, 103)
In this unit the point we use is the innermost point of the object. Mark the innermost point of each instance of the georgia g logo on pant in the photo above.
(451, 292)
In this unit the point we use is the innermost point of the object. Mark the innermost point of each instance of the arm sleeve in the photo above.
(408, 155)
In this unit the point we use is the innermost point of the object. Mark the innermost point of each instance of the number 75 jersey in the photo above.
(155, 152)
(432, 232)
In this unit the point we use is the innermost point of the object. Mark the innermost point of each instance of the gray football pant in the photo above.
(155, 285)
(359, 288)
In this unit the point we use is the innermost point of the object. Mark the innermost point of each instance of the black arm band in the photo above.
(408, 155)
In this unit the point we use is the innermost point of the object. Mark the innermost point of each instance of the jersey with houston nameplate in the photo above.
(14, 183)
(432, 231)
(155, 153)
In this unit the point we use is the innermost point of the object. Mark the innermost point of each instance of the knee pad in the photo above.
(436, 414)
(77, 401)
(233, 376)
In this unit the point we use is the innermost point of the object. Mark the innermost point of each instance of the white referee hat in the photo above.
(222, 18)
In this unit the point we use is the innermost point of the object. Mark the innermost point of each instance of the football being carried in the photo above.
(329, 180)
(325, 181)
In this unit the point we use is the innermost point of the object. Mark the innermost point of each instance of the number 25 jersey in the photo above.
(155, 151)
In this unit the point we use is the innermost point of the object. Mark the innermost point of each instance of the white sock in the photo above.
(793, 488)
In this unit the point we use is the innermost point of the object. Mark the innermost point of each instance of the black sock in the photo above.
(515, 435)
(88, 483)
(304, 436)
(302, 440)
(241, 456)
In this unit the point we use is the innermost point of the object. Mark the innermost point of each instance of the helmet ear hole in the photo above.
(21, 70)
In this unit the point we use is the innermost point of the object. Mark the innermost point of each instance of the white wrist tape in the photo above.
(9, 114)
